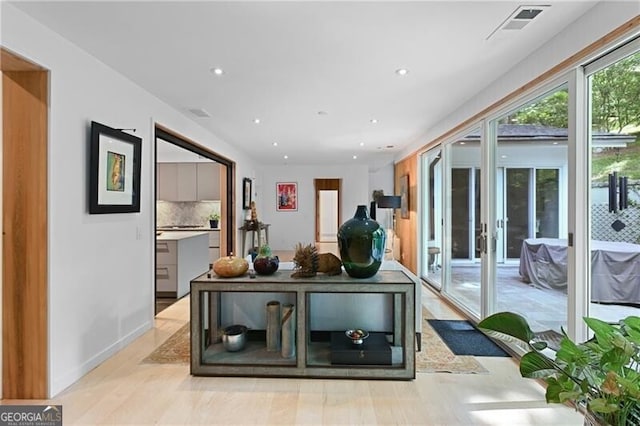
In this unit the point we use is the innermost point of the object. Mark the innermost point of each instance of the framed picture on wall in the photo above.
(114, 171)
(246, 193)
(404, 196)
(286, 196)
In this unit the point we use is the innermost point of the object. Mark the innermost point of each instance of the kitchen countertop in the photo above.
(177, 235)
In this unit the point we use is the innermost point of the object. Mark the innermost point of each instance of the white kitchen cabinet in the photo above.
(208, 181)
(188, 181)
(167, 180)
(177, 181)
(180, 256)
(214, 245)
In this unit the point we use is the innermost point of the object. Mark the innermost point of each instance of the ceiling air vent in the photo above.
(519, 18)
(199, 112)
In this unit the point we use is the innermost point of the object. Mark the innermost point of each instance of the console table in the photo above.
(312, 356)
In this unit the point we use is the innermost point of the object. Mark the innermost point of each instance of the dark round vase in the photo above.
(266, 265)
(361, 243)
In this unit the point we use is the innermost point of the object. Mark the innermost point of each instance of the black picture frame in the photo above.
(114, 171)
(246, 193)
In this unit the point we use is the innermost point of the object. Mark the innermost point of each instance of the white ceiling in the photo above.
(286, 61)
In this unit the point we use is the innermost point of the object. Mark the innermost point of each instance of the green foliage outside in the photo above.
(625, 161)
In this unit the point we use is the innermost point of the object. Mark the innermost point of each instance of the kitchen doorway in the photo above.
(194, 192)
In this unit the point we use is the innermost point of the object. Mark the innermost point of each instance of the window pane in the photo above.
(615, 190)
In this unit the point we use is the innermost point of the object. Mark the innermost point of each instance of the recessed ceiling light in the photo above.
(275, 144)
(256, 120)
(555, 143)
(462, 143)
(361, 143)
(217, 71)
(503, 156)
(402, 71)
(355, 157)
(285, 157)
(373, 121)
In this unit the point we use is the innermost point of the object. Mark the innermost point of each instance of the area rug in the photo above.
(464, 339)
(435, 356)
(175, 350)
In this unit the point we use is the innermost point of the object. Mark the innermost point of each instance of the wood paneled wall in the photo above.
(407, 229)
(24, 277)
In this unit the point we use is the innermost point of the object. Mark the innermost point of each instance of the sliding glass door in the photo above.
(463, 208)
(614, 187)
(432, 231)
(531, 205)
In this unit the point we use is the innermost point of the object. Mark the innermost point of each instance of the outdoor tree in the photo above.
(615, 93)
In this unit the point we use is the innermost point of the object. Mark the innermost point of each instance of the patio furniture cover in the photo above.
(615, 268)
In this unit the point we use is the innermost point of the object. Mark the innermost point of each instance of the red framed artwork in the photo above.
(286, 196)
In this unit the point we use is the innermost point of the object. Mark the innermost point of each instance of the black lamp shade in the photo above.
(389, 202)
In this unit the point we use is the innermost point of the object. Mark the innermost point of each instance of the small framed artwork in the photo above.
(246, 194)
(286, 196)
(404, 196)
(114, 171)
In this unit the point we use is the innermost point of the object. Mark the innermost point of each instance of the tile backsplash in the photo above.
(170, 213)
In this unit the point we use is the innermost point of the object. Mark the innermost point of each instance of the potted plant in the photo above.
(602, 373)
(214, 219)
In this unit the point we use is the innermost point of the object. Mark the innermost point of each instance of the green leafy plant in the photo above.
(602, 373)
(214, 216)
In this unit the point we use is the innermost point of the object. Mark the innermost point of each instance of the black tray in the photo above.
(375, 350)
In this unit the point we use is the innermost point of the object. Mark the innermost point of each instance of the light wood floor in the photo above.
(124, 391)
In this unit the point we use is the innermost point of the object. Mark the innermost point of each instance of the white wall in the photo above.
(100, 266)
(597, 22)
(289, 228)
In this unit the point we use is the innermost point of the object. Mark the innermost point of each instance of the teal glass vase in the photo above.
(361, 243)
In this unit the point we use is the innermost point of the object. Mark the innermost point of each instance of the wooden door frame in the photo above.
(25, 349)
(326, 185)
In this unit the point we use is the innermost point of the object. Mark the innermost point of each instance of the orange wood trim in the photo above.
(10, 61)
(571, 61)
(24, 290)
